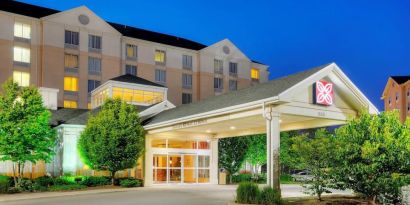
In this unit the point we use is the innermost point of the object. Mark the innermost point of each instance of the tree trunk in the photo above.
(112, 177)
(373, 201)
(14, 175)
(230, 178)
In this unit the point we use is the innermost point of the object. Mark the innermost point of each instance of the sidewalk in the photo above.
(38, 195)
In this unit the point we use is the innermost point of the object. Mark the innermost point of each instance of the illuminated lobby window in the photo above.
(159, 56)
(99, 98)
(137, 96)
(21, 78)
(70, 84)
(254, 74)
(70, 104)
(22, 30)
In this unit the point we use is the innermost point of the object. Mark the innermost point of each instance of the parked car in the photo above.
(302, 176)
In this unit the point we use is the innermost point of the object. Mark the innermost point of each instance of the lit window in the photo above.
(70, 104)
(70, 61)
(137, 96)
(21, 78)
(131, 51)
(254, 74)
(22, 30)
(160, 56)
(70, 84)
(21, 54)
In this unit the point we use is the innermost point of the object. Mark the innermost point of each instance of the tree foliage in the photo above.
(288, 158)
(113, 139)
(232, 153)
(315, 155)
(373, 156)
(25, 134)
(256, 151)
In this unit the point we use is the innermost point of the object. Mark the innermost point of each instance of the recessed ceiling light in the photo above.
(208, 131)
(232, 127)
(280, 121)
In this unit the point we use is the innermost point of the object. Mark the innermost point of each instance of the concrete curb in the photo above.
(27, 196)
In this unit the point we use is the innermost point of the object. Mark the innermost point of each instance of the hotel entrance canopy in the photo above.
(318, 97)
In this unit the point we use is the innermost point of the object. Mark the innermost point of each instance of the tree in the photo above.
(315, 154)
(288, 160)
(113, 139)
(25, 134)
(373, 156)
(256, 151)
(232, 154)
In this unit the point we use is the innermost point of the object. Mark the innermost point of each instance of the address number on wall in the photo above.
(321, 114)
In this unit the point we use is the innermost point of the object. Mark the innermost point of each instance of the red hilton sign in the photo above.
(323, 93)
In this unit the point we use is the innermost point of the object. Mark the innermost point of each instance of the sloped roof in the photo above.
(25, 9)
(128, 78)
(254, 93)
(401, 79)
(62, 115)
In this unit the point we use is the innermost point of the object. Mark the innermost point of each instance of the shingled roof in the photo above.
(128, 78)
(254, 93)
(401, 79)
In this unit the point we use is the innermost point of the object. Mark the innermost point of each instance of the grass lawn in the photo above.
(327, 200)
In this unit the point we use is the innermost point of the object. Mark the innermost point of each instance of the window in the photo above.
(233, 85)
(93, 84)
(94, 42)
(218, 66)
(131, 51)
(159, 57)
(22, 30)
(71, 38)
(187, 62)
(131, 69)
(160, 76)
(254, 74)
(408, 92)
(71, 61)
(70, 104)
(94, 65)
(70, 84)
(89, 106)
(137, 96)
(186, 81)
(186, 98)
(390, 101)
(218, 84)
(21, 54)
(408, 107)
(233, 69)
(397, 96)
(21, 78)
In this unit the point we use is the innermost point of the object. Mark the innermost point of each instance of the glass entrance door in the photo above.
(175, 168)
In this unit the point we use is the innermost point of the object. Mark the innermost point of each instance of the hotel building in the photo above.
(78, 60)
(396, 95)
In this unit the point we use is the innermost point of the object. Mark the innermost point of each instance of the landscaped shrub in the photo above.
(44, 181)
(26, 185)
(130, 182)
(247, 193)
(5, 184)
(66, 187)
(62, 181)
(95, 181)
(269, 196)
(245, 177)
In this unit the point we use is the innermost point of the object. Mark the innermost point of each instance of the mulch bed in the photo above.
(327, 200)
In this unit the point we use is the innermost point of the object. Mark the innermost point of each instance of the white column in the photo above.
(214, 169)
(273, 145)
(148, 175)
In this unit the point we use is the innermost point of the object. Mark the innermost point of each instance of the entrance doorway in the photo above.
(180, 168)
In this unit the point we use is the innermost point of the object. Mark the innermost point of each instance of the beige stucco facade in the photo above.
(397, 97)
(47, 53)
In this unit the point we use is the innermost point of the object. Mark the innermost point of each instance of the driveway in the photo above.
(157, 195)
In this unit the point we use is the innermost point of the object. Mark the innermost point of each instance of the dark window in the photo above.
(71, 37)
(186, 81)
(233, 69)
(93, 84)
(233, 85)
(94, 65)
(186, 98)
(94, 42)
(187, 62)
(397, 96)
(160, 76)
(131, 69)
(218, 84)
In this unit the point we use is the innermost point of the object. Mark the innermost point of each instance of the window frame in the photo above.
(134, 50)
(187, 81)
(73, 82)
(71, 55)
(218, 84)
(21, 55)
(93, 65)
(186, 98)
(21, 81)
(94, 43)
(218, 66)
(187, 62)
(73, 40)
(257, 72)
(163, 57)
(230, 85)
(131, 68)
(160, 75)
(233, 66)
(23, 35)
(94, 83)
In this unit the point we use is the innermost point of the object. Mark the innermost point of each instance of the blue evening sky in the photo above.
(368, 39)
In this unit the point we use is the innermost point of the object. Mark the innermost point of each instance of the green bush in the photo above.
(44, 181)
(130, 182)
(269, 196)
(95, 181)
(27, 185)
(66, 187)
(5, 184)
(62, 181)
(242, 178)
(247, 193)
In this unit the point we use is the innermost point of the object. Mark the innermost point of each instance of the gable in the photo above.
(225, 50)
(82, 17)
